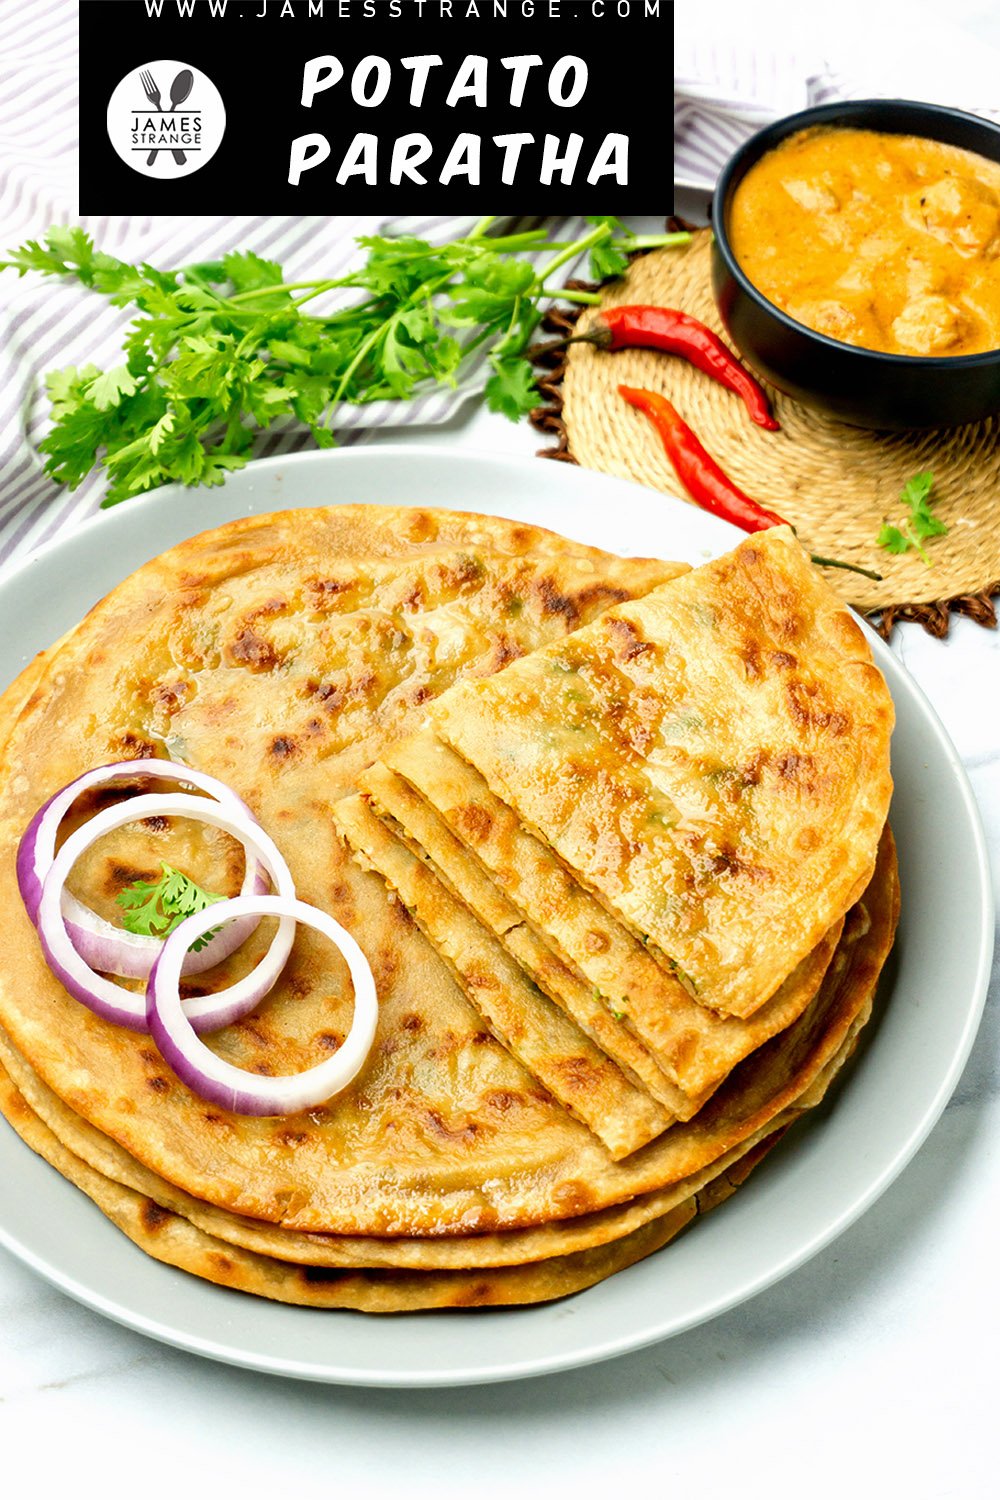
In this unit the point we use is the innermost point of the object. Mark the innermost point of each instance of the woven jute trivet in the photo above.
(836, 484)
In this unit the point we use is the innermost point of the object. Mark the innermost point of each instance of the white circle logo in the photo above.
(166, 119)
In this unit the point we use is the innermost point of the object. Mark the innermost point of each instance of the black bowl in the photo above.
(860, 386)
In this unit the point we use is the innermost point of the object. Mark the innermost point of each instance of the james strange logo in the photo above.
(166, 119)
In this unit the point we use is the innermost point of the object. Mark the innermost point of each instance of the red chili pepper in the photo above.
(709, 485)
(676, 332)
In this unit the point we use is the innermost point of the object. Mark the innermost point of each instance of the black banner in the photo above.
(230, 106)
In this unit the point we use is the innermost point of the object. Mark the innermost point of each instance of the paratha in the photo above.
(177, 1242)
(285, 654)
(552, 1047)
(410, 819)
(712, 760)
(520, 889)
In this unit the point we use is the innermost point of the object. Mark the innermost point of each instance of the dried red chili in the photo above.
(706, 482)
(673, 332)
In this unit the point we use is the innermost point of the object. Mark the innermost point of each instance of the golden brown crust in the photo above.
(231, 651)
(414, 822)
(693, 1045)
(283, 653)
(712, 760)
(176, 1241)
(550, 1045)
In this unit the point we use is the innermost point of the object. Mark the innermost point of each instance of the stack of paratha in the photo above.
(628, 897)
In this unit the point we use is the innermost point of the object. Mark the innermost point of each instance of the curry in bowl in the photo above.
(887, 242)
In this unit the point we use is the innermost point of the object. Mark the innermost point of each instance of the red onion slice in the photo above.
(102, 945)
(222, 1083)
(103, 996)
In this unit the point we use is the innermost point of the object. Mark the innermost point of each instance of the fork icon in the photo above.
(152, 92)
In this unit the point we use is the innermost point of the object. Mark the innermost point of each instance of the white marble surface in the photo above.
(870, 1371)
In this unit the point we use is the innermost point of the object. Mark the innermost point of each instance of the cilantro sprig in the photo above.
(922, 523)
(221, 350)
(154, 910)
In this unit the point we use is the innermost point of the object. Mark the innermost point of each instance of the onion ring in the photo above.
(221, 1082)
(123, 1007)
(101, 944)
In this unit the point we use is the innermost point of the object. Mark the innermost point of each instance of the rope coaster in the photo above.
(836, 484)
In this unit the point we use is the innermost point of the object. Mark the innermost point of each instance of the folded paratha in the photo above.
(712, 760)
(552, 1047)
(520, 889)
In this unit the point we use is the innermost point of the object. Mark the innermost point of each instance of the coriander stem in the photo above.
(833, 562)
(292, 286)
(586, 299)
(480, 229)
(660, 241)
(601, 232)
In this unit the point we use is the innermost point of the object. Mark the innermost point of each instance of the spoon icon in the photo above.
(179, 90)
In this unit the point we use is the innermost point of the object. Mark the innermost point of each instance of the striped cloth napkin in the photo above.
(725, 90)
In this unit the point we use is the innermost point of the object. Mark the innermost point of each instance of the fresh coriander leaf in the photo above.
(108, 389)
(893, 540)
(916, 489)
(606, 261)
(922, 524)
(611, 221)
(511, 389)
(248, 271)
(154, 910)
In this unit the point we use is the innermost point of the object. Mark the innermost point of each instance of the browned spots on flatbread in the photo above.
(465, 1131)
(325, 593)
(251, 650)
(420, 526)
(573, 1197)
(282, 747)
(474, 821)
(504, 1100)
(800, 697)
(153, 1215)
(554, 602)
(134, 747)
(170, 695)
(504, 650)
(476, 1295)
(577, 1074)
(267, 610)
(630, 642)
(601, 593)
(158, 1084)
(119, 875)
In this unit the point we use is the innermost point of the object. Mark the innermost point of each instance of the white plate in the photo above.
(824, 1175)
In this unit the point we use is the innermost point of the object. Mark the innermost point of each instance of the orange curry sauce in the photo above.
(889, 242)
